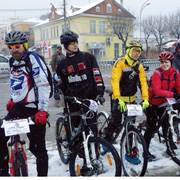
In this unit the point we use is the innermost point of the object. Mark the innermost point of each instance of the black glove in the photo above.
(57, 93)
(100, 99)
(176, 96)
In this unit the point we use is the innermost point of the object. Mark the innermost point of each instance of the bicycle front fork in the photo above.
(86, 150)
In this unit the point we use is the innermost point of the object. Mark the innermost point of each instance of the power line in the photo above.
(14, 10)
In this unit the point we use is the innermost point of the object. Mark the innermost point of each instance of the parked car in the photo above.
(4, 65)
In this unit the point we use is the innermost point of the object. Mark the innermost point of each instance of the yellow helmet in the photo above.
(133, 44)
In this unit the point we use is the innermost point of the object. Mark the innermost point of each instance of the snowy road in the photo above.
(163, 166)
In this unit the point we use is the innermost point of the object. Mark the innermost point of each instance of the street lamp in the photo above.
(141, 10)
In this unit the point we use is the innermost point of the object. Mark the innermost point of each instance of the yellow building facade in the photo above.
(91, 23)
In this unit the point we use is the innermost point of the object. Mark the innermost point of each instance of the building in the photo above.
(91, 23)
(17, 24)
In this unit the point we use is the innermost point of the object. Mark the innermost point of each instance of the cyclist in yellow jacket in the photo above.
(127, 74)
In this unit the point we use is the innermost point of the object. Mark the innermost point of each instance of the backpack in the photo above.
(162, 77)
(28, 66)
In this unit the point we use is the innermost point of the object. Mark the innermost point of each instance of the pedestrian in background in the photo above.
(176, 60)
(56, 57)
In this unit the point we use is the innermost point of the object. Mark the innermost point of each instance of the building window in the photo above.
(108, 8)
(101, 27)
(54, 32)
(57, 31)
(53, 16)
(47, 34)
(97, 9)
(116, 49)
(44, 34)
(119, 11)
(67, 28)
(51, 32)
(92, 26)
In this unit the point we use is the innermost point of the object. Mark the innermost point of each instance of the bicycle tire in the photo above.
(173, 148)
(139, 147)
(108, 164)
(19, 165)
(62, 141)
(103, 121)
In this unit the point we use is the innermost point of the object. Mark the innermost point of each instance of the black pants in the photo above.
(153, 114)
(37, 142)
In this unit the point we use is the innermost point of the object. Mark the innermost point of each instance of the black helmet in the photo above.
(68, 37)
(15, 37)
(59, 47)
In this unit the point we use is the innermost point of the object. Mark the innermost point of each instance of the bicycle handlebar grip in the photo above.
(69, 98)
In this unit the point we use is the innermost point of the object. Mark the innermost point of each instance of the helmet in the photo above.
(166, 56)
(134, 44)
(15, 37)
(68, 37)
(59, 47)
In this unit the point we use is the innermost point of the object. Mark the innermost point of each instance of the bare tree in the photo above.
(173, 22)
(147, 33)
(122, 27)
(158, 27)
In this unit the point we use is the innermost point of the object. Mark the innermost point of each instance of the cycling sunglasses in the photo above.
(136, 50)
(73, 43)
(164, 61)
(15, 46)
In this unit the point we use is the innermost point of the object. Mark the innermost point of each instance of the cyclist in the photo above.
(29, 96)
(160, 89)
(56, 57)
(176, 61)
(79, 73)
(127, 72)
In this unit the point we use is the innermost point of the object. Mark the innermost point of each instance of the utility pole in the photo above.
(64, 4)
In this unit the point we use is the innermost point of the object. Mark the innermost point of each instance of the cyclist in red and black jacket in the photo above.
(78, 72)
(165, 83)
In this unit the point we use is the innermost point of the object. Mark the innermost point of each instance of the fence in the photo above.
(152, 63)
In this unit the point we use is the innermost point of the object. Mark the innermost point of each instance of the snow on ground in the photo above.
(163, 166)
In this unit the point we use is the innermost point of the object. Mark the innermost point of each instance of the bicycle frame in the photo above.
(14, 146)
(81, 131)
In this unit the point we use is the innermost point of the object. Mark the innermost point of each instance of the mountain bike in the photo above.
(17, 152)
(172, 136)
(80, 148)
(132, 141)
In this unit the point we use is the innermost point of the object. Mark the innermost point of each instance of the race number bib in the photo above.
(134, 110)
(16, 127)
(93, 105)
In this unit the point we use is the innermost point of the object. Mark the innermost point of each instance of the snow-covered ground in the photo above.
(163, 166)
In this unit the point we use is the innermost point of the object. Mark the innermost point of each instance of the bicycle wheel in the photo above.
(102, 119)
(20, 168)
(61, 141)
(134, 163)
(173, 145)
(108, 164)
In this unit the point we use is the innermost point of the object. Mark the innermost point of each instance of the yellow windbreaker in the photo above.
(125, 88)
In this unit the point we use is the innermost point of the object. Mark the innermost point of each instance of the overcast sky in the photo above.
(156, 7)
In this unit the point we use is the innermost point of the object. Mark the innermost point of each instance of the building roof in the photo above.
(79, 10)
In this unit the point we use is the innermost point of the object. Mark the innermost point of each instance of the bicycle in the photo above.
(80, 148)
(172, 137)
(132, 141)
(17, 152)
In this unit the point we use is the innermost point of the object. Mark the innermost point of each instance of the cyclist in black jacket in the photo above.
(176, 60)
(79, 74)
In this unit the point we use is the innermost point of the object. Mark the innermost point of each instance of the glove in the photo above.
(100, 99)
(40, 117)
(10, 105)
(176, 96)
(145, 104)
(121, 105)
